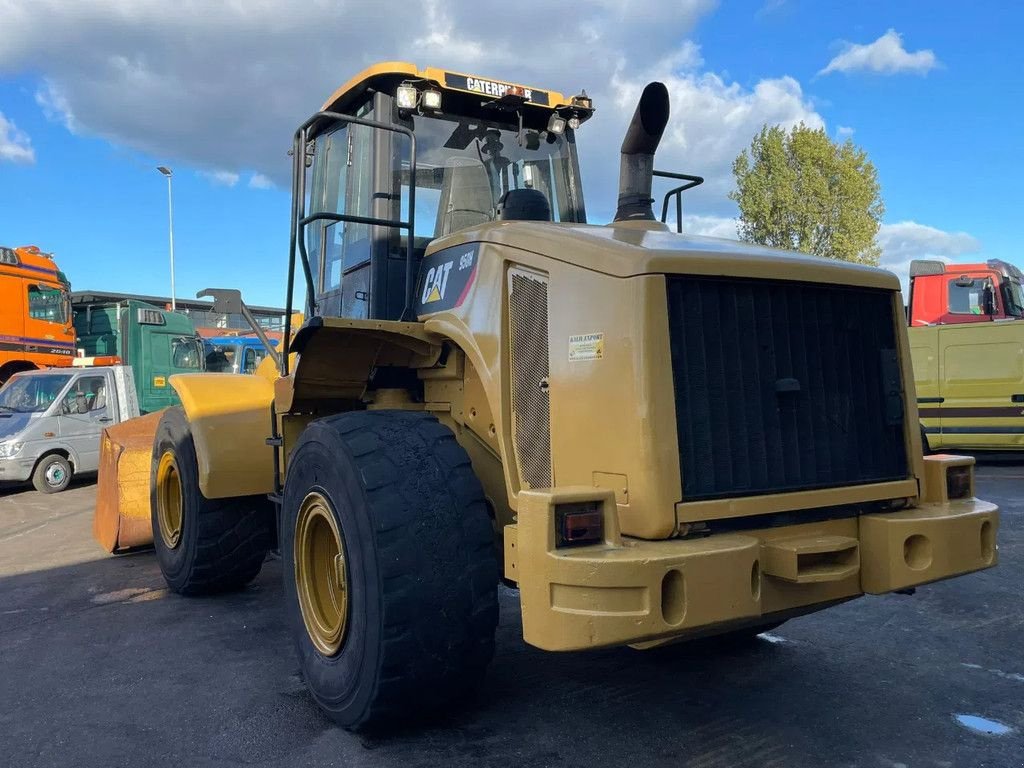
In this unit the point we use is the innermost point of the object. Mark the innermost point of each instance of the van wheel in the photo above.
(52, 474)
(390, 573)
(203, 545)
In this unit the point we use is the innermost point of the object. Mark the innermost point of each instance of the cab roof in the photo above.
(388, 75)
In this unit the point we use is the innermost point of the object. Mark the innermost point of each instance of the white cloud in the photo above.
(259, 181)
(221, 178)
(15, 144)
(223, 85)
(710, 226)
(844, 131)
(905, 241)
(885, 56)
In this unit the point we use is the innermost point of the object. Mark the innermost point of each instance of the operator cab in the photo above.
(484, 151)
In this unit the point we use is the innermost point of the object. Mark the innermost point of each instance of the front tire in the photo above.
(389, 567)
(52, 474)
(203, 546)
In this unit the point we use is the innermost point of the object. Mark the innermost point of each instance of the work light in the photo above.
(556, 125)
(406, 97)
(432, 99)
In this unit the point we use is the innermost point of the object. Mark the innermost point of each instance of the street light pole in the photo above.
(170, 227)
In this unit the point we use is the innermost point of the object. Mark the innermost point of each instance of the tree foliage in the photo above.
(800, 190)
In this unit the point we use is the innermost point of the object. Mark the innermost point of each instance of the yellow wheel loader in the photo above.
(654, 436)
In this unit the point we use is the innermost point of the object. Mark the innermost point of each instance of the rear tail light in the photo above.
(579, 524)
(958, 482)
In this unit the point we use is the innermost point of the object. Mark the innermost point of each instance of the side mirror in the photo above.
(226, 301)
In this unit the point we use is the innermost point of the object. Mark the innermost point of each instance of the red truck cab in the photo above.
(951, 294)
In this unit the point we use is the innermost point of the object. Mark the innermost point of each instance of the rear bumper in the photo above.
(629, 591)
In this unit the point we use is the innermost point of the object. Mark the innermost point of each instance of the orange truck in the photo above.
(35, 312)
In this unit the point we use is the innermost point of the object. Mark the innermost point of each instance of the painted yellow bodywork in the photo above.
(403, 70)
(229, 416)
(613, 440)
(630, 591)
(976, 366)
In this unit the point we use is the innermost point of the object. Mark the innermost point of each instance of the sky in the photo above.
(95, 94)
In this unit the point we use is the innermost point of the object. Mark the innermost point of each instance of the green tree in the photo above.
(801, 190)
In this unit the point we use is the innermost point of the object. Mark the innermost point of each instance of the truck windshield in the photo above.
(32, 393)
(48, 303)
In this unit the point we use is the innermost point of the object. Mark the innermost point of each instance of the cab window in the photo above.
(47, 303)
(87, 395)
(185, 353)
(972, 296)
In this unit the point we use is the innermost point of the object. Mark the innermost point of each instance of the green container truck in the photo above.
(156, 343)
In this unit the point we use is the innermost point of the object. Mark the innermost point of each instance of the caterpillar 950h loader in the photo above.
(654, 436)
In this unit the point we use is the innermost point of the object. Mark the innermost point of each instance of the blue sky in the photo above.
(96, 94)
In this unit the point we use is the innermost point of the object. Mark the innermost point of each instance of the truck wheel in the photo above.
(390, 574)
(52, 474)
(203, 545)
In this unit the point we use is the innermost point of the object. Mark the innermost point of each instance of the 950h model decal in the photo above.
(445, 279)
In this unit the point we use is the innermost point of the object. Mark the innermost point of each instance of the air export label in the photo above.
(586, 346)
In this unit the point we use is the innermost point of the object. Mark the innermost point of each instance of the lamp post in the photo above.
(170, 226)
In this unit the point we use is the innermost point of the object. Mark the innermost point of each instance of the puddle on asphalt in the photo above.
(982, 725)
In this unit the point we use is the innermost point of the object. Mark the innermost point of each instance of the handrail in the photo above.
(299, 219)
(692, 181)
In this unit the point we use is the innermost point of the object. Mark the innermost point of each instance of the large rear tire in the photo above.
(390, 574)
(203, 546)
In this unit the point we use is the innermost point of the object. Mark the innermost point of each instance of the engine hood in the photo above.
(626, 250)
(12, 424)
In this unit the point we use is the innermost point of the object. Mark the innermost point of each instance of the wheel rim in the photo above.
(321, 578)
(55, 475)
(169, 512)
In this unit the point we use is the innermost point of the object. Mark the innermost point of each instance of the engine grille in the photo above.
(531, 412)
(783, 386)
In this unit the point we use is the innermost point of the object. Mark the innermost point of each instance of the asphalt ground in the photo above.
(100, 666)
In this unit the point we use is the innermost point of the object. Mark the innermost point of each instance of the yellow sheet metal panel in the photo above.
(122, 516)
(229, 415)
(932, 542)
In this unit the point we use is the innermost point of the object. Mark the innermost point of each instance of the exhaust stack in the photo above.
(636, 168)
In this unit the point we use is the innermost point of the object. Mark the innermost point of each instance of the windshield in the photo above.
(48, 303)
(31, 394)
(464, 166)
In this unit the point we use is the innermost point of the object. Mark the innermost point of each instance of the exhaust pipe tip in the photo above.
(636, 171)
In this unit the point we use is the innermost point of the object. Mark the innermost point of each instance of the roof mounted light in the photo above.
(432, 99)
(406, 96)
(556, 124)
(582, 101)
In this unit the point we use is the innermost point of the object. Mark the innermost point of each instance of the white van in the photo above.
(50, 421)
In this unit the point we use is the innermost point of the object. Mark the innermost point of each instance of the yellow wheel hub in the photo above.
(169, 513)
(320, 574)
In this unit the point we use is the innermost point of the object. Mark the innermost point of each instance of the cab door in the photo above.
(981, 359)
(84, 409)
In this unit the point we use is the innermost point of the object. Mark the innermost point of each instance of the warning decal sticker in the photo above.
(586, 346)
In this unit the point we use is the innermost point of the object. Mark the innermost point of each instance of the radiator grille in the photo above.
(783, 386)
(528, 327)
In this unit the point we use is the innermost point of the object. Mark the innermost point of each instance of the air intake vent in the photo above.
(784, 386)
(531, 412)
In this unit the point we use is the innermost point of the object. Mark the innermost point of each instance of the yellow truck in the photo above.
(654, 436)
(967, 344)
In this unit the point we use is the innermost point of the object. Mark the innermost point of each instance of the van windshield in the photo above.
(33, 393)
